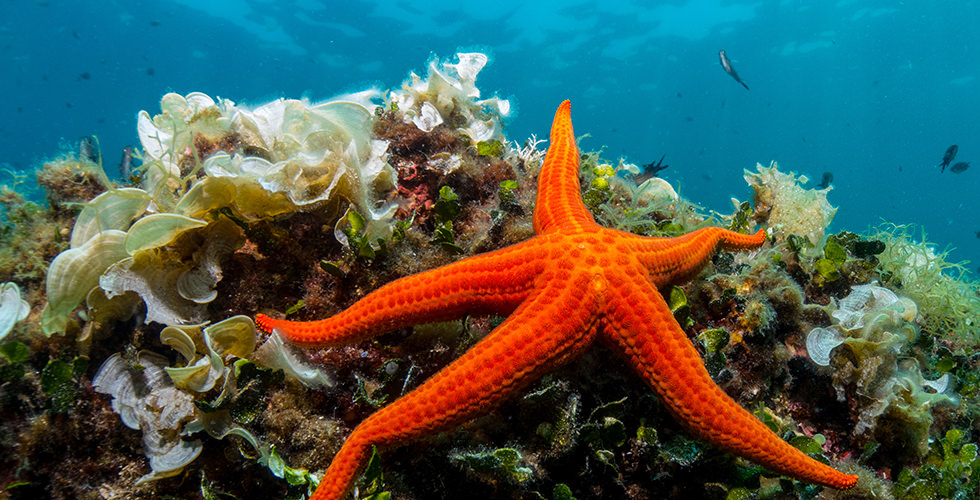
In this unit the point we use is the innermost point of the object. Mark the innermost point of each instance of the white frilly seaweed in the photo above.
(878, 327)
(868, 313)
(116, 209)
(307, 153)
(281, 157)
(204, 156)
(275, 354)
(210, 166)
(159, 399)
(820, 342)
(428, 119)
(76, 271)
(200, 372)
(205, 349)
(175, 289)
(450, 88)
(147, 400)
(13, 308)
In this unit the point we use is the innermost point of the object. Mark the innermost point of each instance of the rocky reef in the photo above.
(130, 367)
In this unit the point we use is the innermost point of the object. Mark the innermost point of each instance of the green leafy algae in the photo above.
(951, 470)
(293, 309)
(59, 381)
(16, 354)
(741, 220)
(209, 492)
(301, 482)
(826, 269)
(14, 351)
(505, 464)
(678, 305)
(445, 211)
(358, 239)
(508, 198)
(833, 251)
(490, 148)
(562, 492)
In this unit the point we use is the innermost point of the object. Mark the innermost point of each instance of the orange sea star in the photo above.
(572, 284)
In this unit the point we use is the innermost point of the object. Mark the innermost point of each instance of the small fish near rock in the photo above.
(652, 168)
(948, 157)
(960, 167)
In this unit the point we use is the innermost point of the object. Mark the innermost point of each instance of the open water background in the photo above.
(872, 91)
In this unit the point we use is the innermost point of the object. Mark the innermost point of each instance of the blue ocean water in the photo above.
(872, 91)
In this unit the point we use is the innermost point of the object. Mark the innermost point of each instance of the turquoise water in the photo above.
(873, 92)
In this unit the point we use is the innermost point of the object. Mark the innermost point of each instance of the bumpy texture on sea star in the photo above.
(571, 285)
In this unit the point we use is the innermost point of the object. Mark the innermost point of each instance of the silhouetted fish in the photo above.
(960, 167)
(651, 169)
(828, 177)
(727, 65)
(948, 157)
(88, 149)
(126, 164)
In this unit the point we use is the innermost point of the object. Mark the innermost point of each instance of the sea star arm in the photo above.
(641, 327)
(559, 201)
(491, 283)
(552, 327)
(672, 260)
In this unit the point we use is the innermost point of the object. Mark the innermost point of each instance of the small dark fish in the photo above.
(960, 167)
(126, 164)
(85, 76)
(652, 168)
(825, 181)
(727, 65)
(88, 149)
(948, 157)
(978, 234)
(150, 72)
